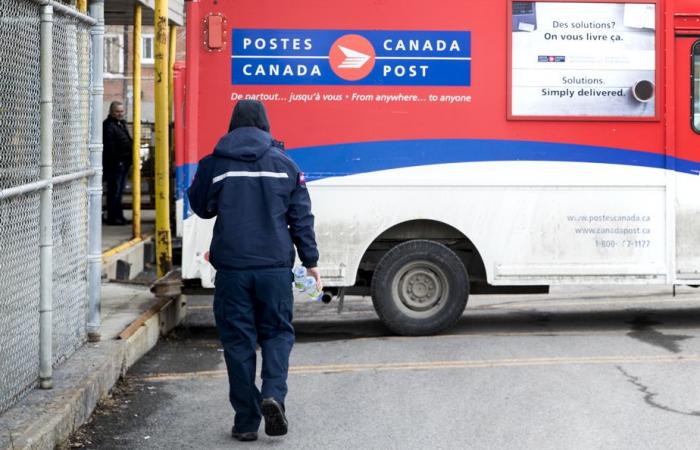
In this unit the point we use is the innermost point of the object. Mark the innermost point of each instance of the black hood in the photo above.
(249, 113)
(244, 144)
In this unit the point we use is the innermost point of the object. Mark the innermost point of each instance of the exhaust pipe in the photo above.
(326, 297)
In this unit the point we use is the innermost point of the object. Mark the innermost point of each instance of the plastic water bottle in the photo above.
(311, 290)
(299, 277)
(305, 283)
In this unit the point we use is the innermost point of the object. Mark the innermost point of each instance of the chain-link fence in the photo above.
(20, 150)
(71, 120)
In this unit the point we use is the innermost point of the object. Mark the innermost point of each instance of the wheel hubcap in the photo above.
(420, 287)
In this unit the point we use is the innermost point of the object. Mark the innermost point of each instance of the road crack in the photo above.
(650, 397)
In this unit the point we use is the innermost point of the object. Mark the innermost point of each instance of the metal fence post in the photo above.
(46, 202)
(163, 238)
(136, 171)
(95, 183)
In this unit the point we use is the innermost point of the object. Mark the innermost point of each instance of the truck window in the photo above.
(696, 86)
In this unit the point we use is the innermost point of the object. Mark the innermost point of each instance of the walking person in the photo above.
(262, 209)
(116, 161)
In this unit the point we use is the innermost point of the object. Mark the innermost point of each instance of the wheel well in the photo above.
(421, 229)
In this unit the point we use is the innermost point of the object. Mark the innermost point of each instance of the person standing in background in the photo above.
(116, 161)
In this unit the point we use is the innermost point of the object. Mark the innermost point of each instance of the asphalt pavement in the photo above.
(582, 367)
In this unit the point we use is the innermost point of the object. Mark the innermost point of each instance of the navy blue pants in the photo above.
(254, 306)
(116, 180)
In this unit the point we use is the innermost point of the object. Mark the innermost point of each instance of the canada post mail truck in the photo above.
(463, 146)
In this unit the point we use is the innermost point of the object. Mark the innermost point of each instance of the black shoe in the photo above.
(275, 420)
(244, 437)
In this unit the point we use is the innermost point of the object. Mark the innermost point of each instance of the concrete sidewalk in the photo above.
(114, 235)
(45, 418)
(123, 257)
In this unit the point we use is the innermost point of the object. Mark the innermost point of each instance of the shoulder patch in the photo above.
(278, 144)
(301, 179)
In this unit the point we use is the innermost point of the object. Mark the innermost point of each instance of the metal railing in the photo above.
(50, 187)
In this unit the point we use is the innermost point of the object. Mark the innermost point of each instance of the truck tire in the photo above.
(419, 287)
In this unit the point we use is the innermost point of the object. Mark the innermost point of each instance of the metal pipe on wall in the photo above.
(172, 47)
(95, 182)
(136, 150)
(172, 53)
(162, 178)
(46, 202)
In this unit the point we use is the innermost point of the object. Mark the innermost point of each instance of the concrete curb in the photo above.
(133, 257)
(48, 418)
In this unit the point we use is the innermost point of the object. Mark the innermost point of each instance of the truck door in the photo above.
(687, 153)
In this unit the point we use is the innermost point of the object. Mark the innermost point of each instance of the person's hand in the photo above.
(314, 272)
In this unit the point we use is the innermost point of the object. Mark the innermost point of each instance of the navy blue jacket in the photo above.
(117, 143)
(260, 202)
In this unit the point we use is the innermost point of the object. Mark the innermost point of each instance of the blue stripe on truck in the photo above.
(350, 159)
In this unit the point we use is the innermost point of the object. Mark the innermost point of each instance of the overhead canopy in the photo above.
(121, 12)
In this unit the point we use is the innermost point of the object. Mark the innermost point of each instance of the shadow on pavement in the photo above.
(636, 321)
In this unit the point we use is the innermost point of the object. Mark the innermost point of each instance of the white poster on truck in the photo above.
(583, 59)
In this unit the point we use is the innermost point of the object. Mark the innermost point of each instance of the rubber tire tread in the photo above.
(402, 254)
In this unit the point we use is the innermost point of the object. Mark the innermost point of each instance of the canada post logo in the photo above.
(342, 57)
(352, 57)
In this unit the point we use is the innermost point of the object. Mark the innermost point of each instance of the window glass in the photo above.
(696, 87)
(579, 59)
(147, 48)
(113, 54)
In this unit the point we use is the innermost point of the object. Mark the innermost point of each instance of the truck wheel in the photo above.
(419, 287)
